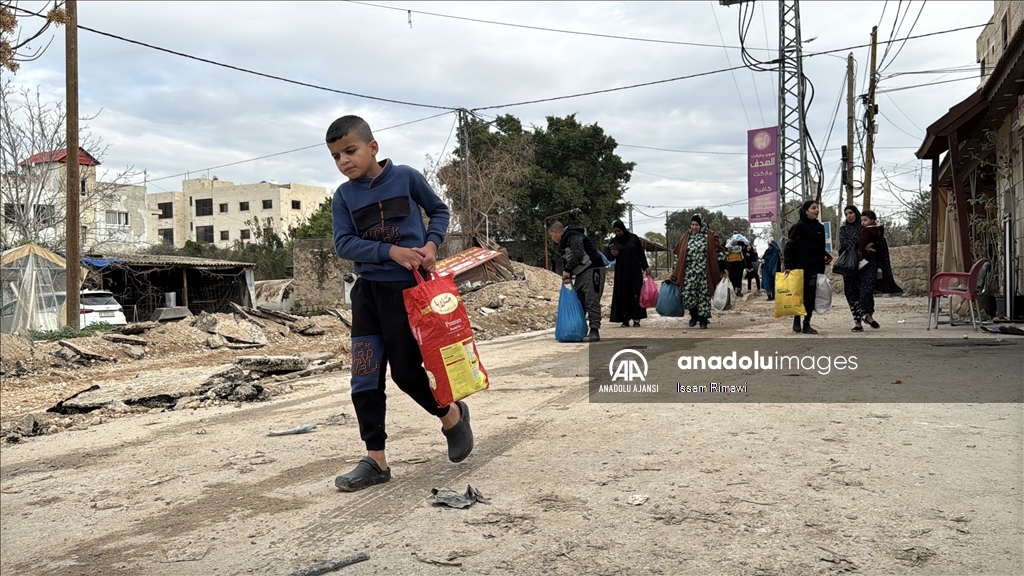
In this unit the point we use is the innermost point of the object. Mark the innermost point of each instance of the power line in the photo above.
(733, 73)
(246, 70)
(923, 85)
(683, 151)
(936, 33)
(607, 90)
(543, 29)
(288, 151)
(911, 31)
(688, 180)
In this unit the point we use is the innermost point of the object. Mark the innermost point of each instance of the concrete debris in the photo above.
(316, 370)
(244, 392)
(216, 341)
(134, 352)
(232, 374)
(21, 369)
(243, 346)
(187, 402)
(122, 339)
(272, 364)
(139, 327)
(485, 310)
(84, 353)
(344, 315)
(205, 322)
(66, 354)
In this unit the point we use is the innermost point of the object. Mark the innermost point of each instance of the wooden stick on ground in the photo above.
(330, 565)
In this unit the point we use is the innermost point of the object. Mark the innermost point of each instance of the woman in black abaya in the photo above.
(630, 268)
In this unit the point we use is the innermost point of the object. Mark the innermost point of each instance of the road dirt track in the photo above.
(577, 488)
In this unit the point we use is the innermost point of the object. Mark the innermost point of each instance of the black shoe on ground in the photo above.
(796, 324)
(460, 436)
(703, 323)
(636, 323)
(808, 330)
(594, 336)
(366, 473)
(693, 319)
(625, 324)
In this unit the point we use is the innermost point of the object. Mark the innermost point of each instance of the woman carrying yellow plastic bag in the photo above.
(789, 293)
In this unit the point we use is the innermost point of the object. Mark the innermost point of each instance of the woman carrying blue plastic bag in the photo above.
(571, 323)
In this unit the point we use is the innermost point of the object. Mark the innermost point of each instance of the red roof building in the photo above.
(84, 158)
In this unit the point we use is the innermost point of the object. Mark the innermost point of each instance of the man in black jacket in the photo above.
(581, 259)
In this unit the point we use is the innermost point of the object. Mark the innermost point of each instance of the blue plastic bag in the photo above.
(571, 323)
(670, 301)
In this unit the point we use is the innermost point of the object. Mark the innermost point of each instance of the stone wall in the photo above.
(909, 268)
(318, 275)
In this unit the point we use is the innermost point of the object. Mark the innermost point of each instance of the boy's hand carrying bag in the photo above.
(440, 324)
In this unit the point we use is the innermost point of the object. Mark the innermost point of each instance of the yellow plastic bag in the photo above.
(789, 293)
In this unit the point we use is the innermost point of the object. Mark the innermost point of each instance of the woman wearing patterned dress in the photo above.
(697, 272)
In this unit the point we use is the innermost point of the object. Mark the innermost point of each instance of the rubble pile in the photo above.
(249, 379)
(527, 303)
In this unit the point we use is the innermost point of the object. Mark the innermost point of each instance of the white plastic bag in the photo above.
(822, 294)
(722, 299)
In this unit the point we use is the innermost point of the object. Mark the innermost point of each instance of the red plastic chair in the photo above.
(968, 290)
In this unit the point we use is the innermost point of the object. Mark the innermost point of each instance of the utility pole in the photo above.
(630, 206)
(792, 166)
(73, 260)
(468, 198)
(850, 119)
(872, 109)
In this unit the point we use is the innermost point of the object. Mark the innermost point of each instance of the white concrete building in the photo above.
(220, 212)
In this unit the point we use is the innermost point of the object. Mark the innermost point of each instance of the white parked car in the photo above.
(100, 306)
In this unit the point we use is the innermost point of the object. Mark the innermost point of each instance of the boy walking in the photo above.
(582, 259)
(377, 225)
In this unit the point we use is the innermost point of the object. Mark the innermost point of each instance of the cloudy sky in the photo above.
(168, 115)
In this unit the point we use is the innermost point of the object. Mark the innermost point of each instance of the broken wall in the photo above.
(319, 282)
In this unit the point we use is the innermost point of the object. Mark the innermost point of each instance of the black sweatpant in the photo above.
(810, 288)
(381, 336)
(753, 276)
(736, 274)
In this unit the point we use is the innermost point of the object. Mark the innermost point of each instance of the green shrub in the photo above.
(69, 332)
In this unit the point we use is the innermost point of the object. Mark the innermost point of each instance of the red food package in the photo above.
(440, 324)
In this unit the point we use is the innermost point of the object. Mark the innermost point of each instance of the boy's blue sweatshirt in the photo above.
(372, 214)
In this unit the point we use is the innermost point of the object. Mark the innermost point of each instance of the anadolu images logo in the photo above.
(627, 368)
(444, 303)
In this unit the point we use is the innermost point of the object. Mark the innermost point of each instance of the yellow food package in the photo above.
(789, 293)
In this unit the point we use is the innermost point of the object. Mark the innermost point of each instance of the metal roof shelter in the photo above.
(146, 282)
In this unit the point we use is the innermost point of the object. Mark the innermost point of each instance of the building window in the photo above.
(166, 235)
(189, 200)
(224, 235)
(83, 186)
(204, 207)
(223, 208)
(13, 212)
(1006, 37)
(268, 204)
(982, 68)
(115, 218)
(244, 234)
(204, 234)
(166, 210)
(243, 206)
(296, 205)
(191, 226)
(46, 214)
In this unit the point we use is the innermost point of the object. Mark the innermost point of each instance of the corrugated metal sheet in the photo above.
(162, 260)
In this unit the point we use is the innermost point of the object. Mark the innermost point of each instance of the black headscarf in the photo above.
(626, 236)
(855, 211)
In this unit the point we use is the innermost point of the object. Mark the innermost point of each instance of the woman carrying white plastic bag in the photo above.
(822, 294)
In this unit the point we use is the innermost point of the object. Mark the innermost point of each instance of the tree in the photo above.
(498, 168)
(271, 253)
(319, 224)
(679, 223)
(33, 186)
(15, 49)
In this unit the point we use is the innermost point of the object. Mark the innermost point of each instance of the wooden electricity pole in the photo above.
(72, 233)
(869, 152)
(850, 119)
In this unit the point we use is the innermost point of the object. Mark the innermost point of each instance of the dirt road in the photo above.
(576, 487)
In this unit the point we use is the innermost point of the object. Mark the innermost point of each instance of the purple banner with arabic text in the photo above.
(762, 174)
